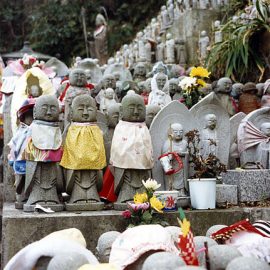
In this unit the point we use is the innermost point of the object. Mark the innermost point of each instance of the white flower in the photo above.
(151, 184)
(25, 59)
(187, 82)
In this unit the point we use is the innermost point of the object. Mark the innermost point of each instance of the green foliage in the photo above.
(239, 55)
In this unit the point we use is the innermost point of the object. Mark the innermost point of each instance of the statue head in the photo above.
(173, 86)
(117, 76)
(159, 40)
(163, 8)
(211, 121)
(140, 69)
(237, 90)
(113, 112)
(147, 85)
(151, 112)
(141, 86)
(46, 108)
(83, 109)
(203, 33)
(109, 81)
(161, 80)
(100, 20)
(250, 87)
(77, 77)
(133, 108)
(177, 71)
(265, 128)
(88, 74)
(109, 93)
(176, 132)
(168, 36)
(104, 245)
(260, 87)
(217, 24)
(110, 61)
(33, 88)
(224, 85)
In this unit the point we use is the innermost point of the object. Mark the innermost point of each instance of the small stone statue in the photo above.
(42, 153)
(104, 245)
(148, 52)
(141, 47)
(139, 72)
(209, 138)
(101, 42)
(248, 101)
(171, 11)
(170, 49)
(78, 81)
(203, 45)
(174, 88)
(108, 100)
(151, 112)
(176, 143)
(131, 151)
(181, 54)
(146, 90)
(83, 156)
(165, 19)
(154, 28)
(218, 32)
(160, 49)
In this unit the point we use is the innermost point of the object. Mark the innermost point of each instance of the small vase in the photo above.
(202, 193)
(169, 198)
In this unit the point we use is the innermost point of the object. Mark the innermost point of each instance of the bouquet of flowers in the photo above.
(145, 204)
(29, 61)
(192, 85)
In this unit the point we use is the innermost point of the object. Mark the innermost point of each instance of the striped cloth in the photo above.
(263, 226)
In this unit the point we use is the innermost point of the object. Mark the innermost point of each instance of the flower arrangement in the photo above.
(204, 167)
(192, 85)
(29, 61)
(145, 204)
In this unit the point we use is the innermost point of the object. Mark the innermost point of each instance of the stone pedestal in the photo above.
(21, 229)
(253, 185)
(226, 194)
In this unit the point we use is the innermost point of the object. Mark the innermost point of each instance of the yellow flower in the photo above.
(140, 198)
(201, 83)
(199, 72)
(157, 204)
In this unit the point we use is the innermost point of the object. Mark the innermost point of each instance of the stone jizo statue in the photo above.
(131, 151)
(170, 49)
(218, 32)
(140, 72)
(151, 112)
(160, 50)
(203, 45)
(108, 100)
(42, 153)
(83, 156)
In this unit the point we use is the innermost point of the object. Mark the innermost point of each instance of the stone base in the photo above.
(183, 202)
(226, 194)
(253, 185)
(19, 205)
(85, 206)
(120, 206)
(21, 228)
(54, 207)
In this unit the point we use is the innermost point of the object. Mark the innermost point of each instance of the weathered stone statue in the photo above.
(248, 101)
(155, 28)
(148, 52)
(108, 81)
(218, 32)
(42, 153)
(223, 90)
(100, 36)
(131, 151)
(181, 54)
(177, 144)
(83, 156)
(151, 112)
(170, 11)
(108, 100)
(160, 50)
(170, 49)
(209, 138)
(203, 45)
(174, 88)
(78, 81)
(165, 19)
(141, 47)
(104, 245)
(160, 90)
(139, 72)
(145, 90)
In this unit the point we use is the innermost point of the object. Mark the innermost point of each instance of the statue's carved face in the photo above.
(151, 111)
(117, 76)
(109, 93)
(77, 77)
(177, 131)
(173, 86)
(133, 108)
(113, 115)
(265, 129)
(46, 109)
(211, 121)
(88, 75)
(161, 80)
(35, 91)
(109, 82)
(140, 70)
(224, 85)
(83, 109)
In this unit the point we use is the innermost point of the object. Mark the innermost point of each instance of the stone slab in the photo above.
(20, 228)
(253, 185)
(226, 194)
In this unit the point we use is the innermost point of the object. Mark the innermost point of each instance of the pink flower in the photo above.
(140, 206)
(126, 214)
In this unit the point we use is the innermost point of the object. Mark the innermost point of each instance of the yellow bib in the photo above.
(84, 148)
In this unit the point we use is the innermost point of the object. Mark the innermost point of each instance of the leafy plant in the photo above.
(239, 55)
(204, 167)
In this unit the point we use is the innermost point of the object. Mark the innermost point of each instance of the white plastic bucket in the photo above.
(169, 198)
(202, 193)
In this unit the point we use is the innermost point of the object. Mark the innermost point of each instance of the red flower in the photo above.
(126, 214)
